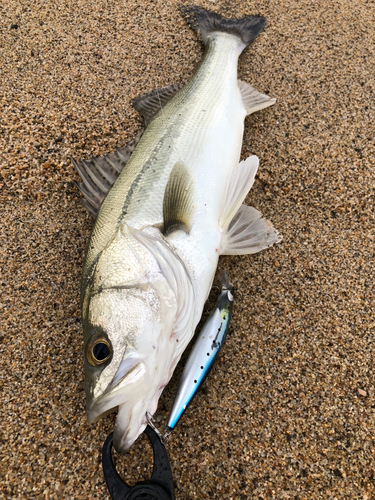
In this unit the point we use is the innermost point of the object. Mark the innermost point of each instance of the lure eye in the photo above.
(99, 351)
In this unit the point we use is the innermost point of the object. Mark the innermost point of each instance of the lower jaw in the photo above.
(127, 428)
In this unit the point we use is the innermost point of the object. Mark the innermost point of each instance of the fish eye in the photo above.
(99, 351)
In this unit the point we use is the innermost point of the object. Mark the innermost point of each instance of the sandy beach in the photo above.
(288, 409)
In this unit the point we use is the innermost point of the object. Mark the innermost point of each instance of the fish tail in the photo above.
(206, 22)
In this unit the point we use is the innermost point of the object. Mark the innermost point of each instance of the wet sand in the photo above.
(288, 410)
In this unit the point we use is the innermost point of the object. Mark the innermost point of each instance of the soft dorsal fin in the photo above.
(248, 233)
(239, 185)
(252, 99)
(151, 103)
(178, 202)
(99, 174)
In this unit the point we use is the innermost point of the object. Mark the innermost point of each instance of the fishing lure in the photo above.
(203, 354)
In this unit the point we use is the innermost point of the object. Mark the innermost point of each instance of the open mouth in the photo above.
(120, 390)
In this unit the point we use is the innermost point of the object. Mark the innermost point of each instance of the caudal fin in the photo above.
(205, 22)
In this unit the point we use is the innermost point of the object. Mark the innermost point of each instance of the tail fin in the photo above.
(205, 22)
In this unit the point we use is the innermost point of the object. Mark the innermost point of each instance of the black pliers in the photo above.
(158, 487)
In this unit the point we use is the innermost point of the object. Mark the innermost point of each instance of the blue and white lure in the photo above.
(203, 354)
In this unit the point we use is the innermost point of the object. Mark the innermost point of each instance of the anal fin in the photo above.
(248, 233)
(252, 99)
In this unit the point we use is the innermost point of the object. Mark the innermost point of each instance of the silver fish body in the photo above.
(174, 208)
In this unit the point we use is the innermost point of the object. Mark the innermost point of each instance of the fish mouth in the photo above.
(129, 394)
(119, 390)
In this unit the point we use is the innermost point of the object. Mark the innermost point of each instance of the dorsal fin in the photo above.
(178, 204)
(99, 174)
(151, 103)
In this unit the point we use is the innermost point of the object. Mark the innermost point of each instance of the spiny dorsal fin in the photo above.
(248, 233)
(151, 103)
(178, 202)
(252, 99)
(99, 174)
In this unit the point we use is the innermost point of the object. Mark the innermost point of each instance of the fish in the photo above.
(165, 208)
(203, 354)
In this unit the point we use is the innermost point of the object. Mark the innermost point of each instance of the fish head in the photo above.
(131, 340)
(125, 365)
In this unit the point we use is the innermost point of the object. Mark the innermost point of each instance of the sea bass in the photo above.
(165, 210)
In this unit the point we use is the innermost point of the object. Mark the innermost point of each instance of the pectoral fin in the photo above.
(248, 233)
(178, 205)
